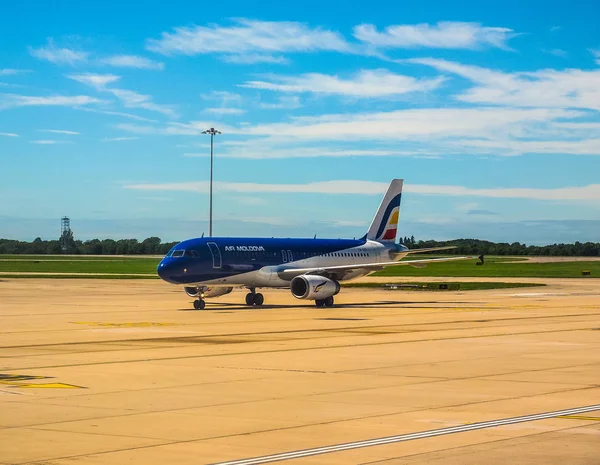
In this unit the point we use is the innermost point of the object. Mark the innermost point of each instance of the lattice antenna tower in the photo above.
(65, 233)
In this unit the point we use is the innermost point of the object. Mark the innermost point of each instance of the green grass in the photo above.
(452, 286)
(108, 266)
(496, 267)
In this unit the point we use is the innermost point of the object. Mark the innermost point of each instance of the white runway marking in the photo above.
(408, 437)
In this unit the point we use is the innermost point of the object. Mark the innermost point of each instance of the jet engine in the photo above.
(314, 287)
(205, 292)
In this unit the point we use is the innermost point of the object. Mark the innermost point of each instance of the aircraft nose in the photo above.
(162, 270)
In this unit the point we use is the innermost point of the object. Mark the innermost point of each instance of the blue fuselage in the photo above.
(257, 261)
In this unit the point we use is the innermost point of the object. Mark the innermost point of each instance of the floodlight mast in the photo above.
(213, 132)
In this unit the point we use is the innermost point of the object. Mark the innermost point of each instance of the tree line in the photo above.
(154, 246)
(477, 247)
(149, 246)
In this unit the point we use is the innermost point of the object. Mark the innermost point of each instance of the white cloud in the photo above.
(129, 98)
(118, 139)
(12, 71)
(557, 52)
(132, 61)
(13, 100)
(418, 124)
(365, 83)
(583, 193)
(59, 56)
(290, 102)
(445, 35)
(9, 134)
(254, 58)
(571, 88)
(94, 80)
(49, 142)
(60, 131)
(225, 111)
(222, 96)
(119, 113)
(596, 54)
(256, 40)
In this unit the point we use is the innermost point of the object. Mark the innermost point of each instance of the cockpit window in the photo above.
(178, 253)
(192, 253)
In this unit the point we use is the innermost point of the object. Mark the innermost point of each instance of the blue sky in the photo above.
(489, 113)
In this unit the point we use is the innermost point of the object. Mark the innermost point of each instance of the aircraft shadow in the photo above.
(378, 304)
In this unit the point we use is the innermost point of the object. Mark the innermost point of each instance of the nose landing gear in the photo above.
(199, 304)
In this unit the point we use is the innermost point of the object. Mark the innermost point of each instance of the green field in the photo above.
(116, 265)
(497, 267)
(452, 286)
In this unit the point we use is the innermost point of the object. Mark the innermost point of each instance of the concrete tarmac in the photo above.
(124, 371)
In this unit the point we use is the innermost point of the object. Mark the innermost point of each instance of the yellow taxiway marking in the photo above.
(139, 324)
(49, 386)
(18, 381)
(580, 417)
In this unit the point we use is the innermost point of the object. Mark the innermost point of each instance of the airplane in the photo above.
(311, 268)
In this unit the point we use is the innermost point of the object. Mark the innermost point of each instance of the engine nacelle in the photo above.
(205, 292)
(314, 287)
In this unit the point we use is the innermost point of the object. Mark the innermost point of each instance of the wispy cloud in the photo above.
(255, 58)
(596, 54)
(13, 100)
(12, 71)
(570, 88)
(582, 193)
(94, 80)
(284, 102)
(443, 35)
(132, 61)
(557, 52)
(9, 134)
(481, 212)
(60, 131)
(49, 142)
(365, 83)
(119, 113)
(225, 111)
(119, 139)
(248, 41)
(58, 55)
(129, 98)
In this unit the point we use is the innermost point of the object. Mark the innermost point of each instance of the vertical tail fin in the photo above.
(385, 223)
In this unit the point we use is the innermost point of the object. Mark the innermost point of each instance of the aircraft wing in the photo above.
(338, 272)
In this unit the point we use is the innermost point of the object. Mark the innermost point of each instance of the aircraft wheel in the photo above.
(259, 299)
(329, 301)
(199, 304)
(250, 298)
(319, 303)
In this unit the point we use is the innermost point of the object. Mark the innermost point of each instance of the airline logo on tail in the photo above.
(385, 223)
(387, 230)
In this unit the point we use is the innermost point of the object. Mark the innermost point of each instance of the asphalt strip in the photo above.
(408, 437)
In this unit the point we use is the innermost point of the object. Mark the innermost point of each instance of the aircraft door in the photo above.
(290, 256)
(284, 256)
(216, 254)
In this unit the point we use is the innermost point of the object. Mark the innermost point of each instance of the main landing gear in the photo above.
(254, 298)
(328, 302)
(199, 304)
